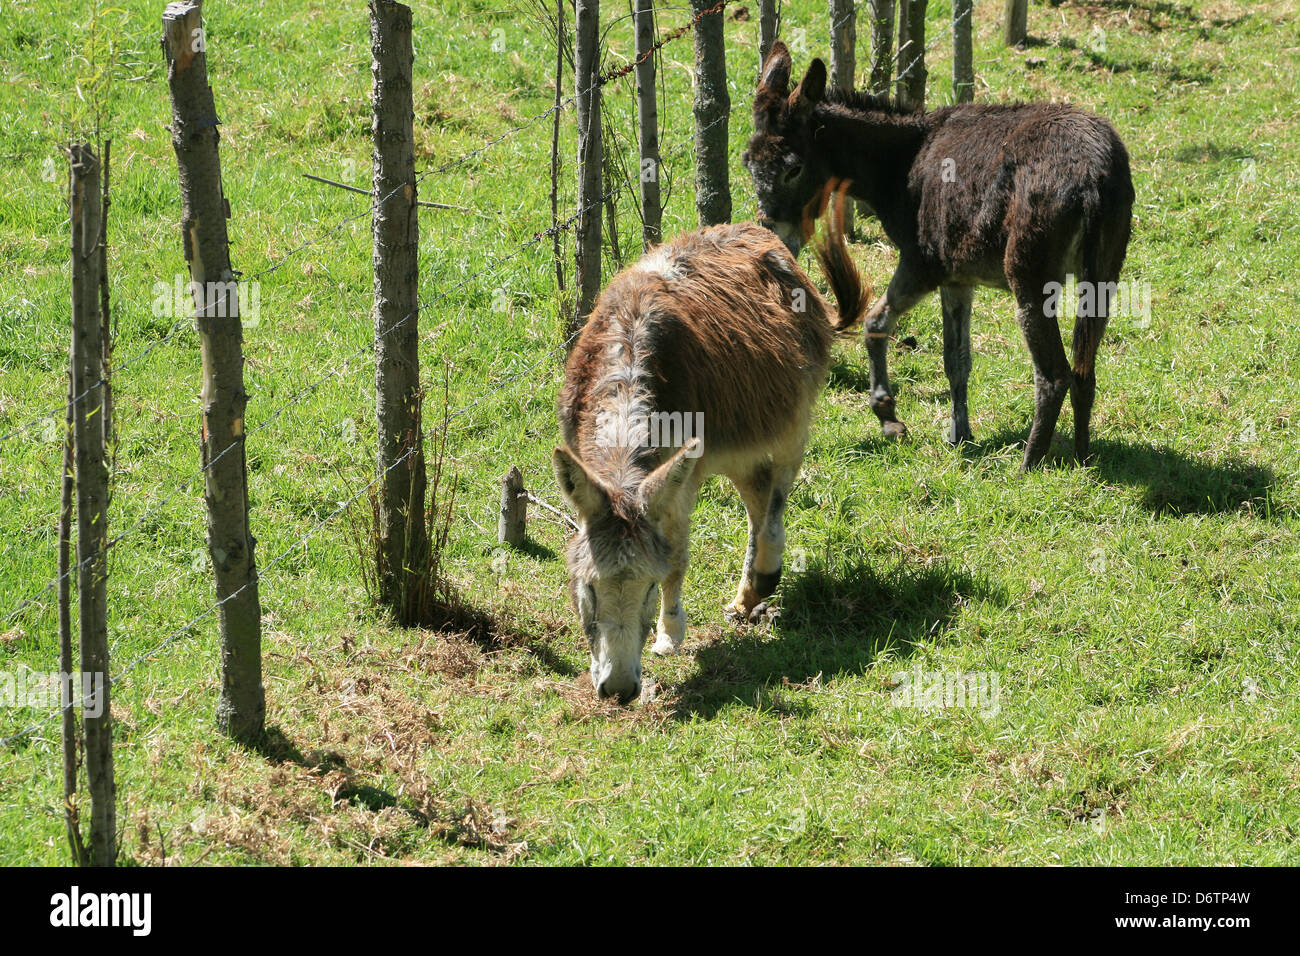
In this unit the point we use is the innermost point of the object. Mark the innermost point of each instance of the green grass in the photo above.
(1141, 614)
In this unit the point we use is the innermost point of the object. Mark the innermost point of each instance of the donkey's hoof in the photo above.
(736, 613)
(664, 646)
(895, 431)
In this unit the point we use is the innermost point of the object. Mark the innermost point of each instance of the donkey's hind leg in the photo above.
(765, 491)
(1088, 328)
(1052, 375)
(1101, 269)
(956, 302)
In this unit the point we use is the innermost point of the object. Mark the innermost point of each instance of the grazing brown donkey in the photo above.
(719, 331)
(1014, 197)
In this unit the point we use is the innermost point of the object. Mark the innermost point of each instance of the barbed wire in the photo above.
(116, 368)
(178, 633)
(600, 81)
(300, 395)
(895, 58)
(948, 28)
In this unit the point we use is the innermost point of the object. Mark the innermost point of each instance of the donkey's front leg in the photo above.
(672, 617)
(903, 293)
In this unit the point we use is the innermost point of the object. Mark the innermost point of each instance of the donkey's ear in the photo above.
(810, 90)
(667, 481)
(776, 71)
(580, 489)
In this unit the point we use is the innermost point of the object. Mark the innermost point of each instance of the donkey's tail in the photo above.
(1107, 224)
(851, 296)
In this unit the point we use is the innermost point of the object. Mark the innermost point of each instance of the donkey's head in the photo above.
(628, 541)
(787, 169)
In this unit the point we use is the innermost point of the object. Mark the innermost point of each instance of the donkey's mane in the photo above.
(862, 100)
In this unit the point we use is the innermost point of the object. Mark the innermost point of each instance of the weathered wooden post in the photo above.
(963, 54)
(882, 45)
(910, 93)
(769, 23)
(396, 235)
(844, 39)
(204, 209)
(555, 149)
(647, 118)
(586, 62)
(513, 515)
(712, 106)
(1015, 22)
(68, 697)
(92, 692)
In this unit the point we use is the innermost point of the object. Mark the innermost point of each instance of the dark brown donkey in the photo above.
(1015, 197)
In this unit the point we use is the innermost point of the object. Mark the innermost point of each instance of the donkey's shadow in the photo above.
(1173, 483)
(832, 625)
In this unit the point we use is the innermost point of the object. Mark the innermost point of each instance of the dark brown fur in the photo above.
(1032, 192)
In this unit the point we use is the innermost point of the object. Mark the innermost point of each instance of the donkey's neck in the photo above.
(615, 445)
(874, 146)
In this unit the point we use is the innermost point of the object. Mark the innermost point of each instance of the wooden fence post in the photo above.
(67, 691)
(647, 118)
(513, 516)
(844, 40)
(586, 64)
(204, 209)
(882, 45)
(89, 371)
(963, 54)
(1015, 22)
(911, 54)
(556, 244)
(712, 107)
(396, 234)
(769, 23)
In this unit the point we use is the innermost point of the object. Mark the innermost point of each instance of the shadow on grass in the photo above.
(847, 376)
(1115, 65)
(536, 549)
(1177, 484)
(832, 625)
(1173, 483)
(277, 747)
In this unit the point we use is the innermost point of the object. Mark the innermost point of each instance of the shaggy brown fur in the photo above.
(721, 324)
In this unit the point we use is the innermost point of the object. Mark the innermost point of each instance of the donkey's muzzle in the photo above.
(625, 692)
(788, 232)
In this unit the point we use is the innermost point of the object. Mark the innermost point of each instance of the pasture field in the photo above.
(1141, 615)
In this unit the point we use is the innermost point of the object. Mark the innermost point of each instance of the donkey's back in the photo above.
(719, 326)
(1050, 181)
